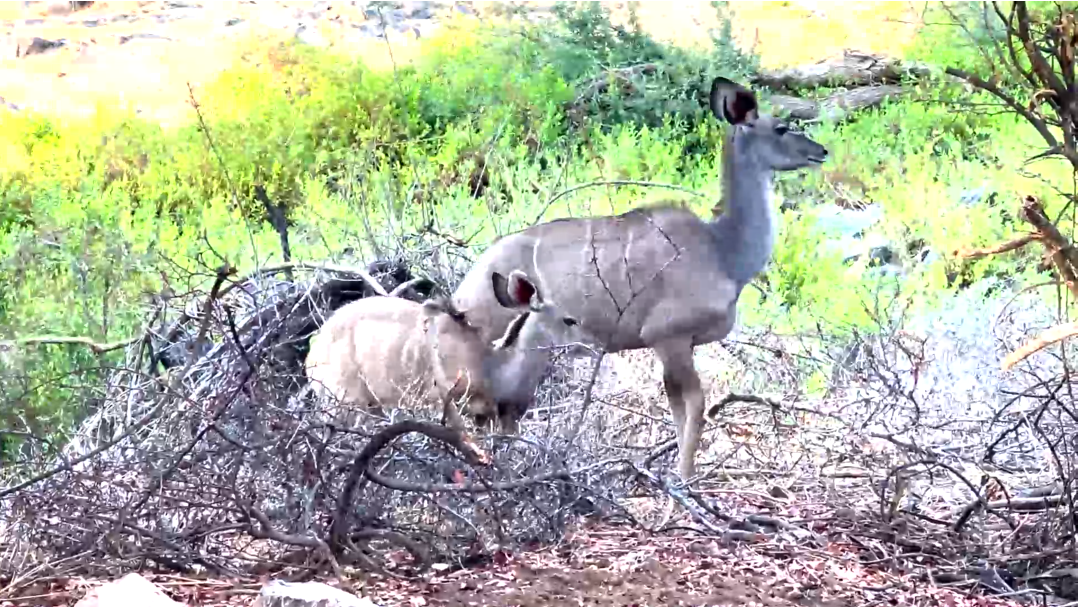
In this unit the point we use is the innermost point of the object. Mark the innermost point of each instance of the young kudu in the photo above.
(657, 277)
(377, 351)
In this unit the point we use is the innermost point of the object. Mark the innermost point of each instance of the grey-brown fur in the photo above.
(657, 277)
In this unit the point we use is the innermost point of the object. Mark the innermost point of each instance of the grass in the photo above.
(98, 213)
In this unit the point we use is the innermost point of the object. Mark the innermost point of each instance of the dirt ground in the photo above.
(610, 566)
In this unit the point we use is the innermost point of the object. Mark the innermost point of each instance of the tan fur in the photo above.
(383, 352)
(388, 352)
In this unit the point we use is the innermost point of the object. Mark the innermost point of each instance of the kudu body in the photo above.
(658, 277)
(381, 351)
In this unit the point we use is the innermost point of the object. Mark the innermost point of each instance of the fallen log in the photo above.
(838, 105)
(852, 68)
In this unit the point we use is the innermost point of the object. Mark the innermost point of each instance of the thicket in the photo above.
(862, 404)
(103, 220)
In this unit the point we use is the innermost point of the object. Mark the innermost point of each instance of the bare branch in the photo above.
(95, 347)
(1004, 247)
(1051, 336)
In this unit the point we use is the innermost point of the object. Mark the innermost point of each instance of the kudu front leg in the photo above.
(686, 399)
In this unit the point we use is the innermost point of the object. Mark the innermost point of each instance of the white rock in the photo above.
(309, 34)
(131, 589)
(308, 594)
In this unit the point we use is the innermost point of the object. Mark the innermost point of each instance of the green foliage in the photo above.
(587, 48)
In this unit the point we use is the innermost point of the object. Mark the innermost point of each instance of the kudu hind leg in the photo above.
(686, 398)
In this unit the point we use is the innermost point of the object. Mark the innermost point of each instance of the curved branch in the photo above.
(96, 347)
(1018, 108)
(1004, 247)
(1051, 336)
(303, 265)
(361, 464)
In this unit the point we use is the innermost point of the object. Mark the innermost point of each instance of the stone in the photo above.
(317, 10)
(143, 36)
(66, 8)
(418, 10)
(38, 46)
(307, 594)
(131, 589)
(309, 34)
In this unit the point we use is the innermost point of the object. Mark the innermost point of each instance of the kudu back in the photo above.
(380, 352)
(658, 277)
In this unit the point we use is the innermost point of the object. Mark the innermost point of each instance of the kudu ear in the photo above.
(515, 291)
(732, 102)
(442, 305)
(433, 306)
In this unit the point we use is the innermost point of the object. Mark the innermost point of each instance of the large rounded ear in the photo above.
(732, 102)
(515, 291)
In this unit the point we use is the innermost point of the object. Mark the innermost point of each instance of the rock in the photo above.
(368, 30)
(38, 46)
(13, 108)
(419, 10)
(66, 8)
(308, 34)
(143, 36)
(168, 17)
(131, 589)
(318, 10)
(388, 10)
(307, 594)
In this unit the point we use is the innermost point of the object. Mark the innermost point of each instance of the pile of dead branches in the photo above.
(222, 463)
(206, 454)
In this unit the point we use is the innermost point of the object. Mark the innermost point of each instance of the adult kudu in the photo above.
(658, 277)
(381, 351)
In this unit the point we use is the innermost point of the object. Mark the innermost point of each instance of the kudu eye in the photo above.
(782, 129)
(570, 322)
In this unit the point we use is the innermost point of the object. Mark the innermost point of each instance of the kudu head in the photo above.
(458, 357)
(520, 356)
(765, 140)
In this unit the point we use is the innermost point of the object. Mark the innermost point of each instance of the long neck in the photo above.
(746, 229)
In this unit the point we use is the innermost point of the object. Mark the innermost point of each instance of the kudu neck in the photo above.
(746, 229)
(520, 367)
